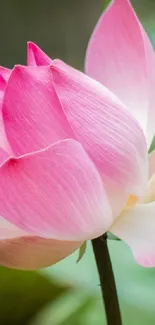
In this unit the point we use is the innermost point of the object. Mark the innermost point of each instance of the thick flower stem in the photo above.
(108, 286)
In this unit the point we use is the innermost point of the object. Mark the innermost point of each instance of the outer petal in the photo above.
(109, 134)
(151, 164)
(9, 231)
(20, 250)
(2, 88)
(5, 149)
(30, 253)
(55, 193)
(120, 56)
(5, 73)
(32, 114)
(2, 84)
(136, 227)
(35, 56)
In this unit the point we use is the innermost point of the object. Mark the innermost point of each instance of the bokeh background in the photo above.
(68, 293)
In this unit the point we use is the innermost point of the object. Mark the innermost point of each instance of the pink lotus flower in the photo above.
(73, 157)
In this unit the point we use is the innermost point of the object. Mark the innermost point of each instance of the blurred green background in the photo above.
(68, 293)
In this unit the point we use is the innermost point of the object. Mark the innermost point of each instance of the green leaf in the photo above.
(152, 147)
(82, 250)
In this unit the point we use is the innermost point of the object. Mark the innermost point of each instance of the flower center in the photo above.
(132, 200)
(148, 198)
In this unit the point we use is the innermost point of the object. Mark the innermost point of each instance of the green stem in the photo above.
(108, 286)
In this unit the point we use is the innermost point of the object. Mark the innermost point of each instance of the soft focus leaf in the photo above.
(23, 294)
(67, 308)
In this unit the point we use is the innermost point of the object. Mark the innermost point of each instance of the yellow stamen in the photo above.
(131, 201)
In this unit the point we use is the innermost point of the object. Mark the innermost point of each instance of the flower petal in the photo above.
(8, 230)
(2, 85)
(136, 227)
(35, 56)
(31, 253)
(5, 73)
(33, 117)
(109, 134)
(2, 88)
(152, 163)
(5, 149)
(55, 193)
(20, 250)
(150, 192)
(120, 56)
